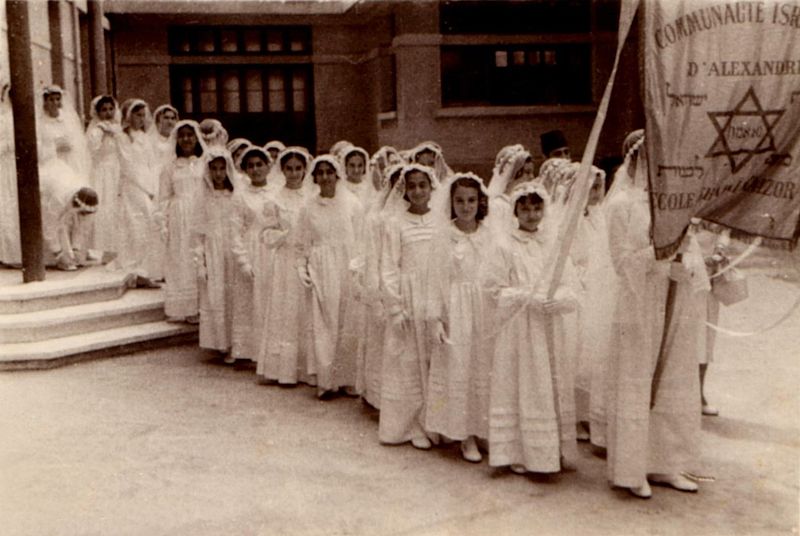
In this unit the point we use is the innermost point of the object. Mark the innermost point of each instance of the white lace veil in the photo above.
(502, 159)
(78, 158)
(158, 112)
(303, 154)
(173, 138)
(253, 149)
(214, 132)
(127, 109)
(442, 200)
(549, 171)
(93, 116)
(364, 154)
(212, 154)
(547, 227)
(632, 174)
(513, 162)
(440, 166)
(395, 202)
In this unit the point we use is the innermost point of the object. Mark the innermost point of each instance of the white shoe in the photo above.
(518, 468)
(710, 410)
(643, 491)
(469, 450)
(678, 482)
(229, 359)
(422, 443)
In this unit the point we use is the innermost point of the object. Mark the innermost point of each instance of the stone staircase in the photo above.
(82, 315)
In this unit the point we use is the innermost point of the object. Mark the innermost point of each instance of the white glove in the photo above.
(440, 333)
(305, 277)
(247, 270)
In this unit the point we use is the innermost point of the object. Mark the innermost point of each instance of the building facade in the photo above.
(471, 75)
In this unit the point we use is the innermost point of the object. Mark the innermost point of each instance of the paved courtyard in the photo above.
(174, 442)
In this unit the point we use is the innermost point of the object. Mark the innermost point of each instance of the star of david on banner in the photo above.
(722, 105)
(755, 119)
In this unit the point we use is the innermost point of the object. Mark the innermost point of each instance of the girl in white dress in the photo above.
(515, 169)
(61, 141)
(327, 228)
(429, 153)
(282, 356)
(164, 119)
(138, 190)
(68, 204)
(369, 380)
(181, 184)
(405, 252)
(458, 388)
(103, 136)
(651, 436)
(593, 262)
(274, 149)
(525, 420)
(383, 158)
(254, 210)
(9, 210)
(355, 160)
(212, 252)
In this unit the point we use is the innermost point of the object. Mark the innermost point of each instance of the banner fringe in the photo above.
(787, 244)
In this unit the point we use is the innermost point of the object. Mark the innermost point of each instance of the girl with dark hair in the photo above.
(282, 356)
(212, 252)
(458, 388)
(356, 166)
(103, 139)
(405, 251)
(254, 211)
(181, 184)
(138, 189)
(370, 364)
(327, 230)
(529, 425)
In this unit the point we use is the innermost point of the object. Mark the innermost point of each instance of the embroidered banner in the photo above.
(722, 101)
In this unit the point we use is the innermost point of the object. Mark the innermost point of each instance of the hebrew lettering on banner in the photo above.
(723, 121)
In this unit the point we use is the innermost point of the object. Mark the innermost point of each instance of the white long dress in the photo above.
(642, 440)
(405, 254)
(9, 211)
(526, 427)
(327, 236)
(363, 191)
(65, 231)
(283, 355)
(138, 189)
(181, 184)
(458, 387)
(63, 139)
(369, 379)
(253, 211)
(164, 153)
(103, 139)
(216, 267)
(598, 280)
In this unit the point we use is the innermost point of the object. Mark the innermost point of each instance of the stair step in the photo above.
(134, 307)
(64, 290)
(38, 354)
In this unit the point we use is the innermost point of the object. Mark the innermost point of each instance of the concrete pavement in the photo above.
(173, 442)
